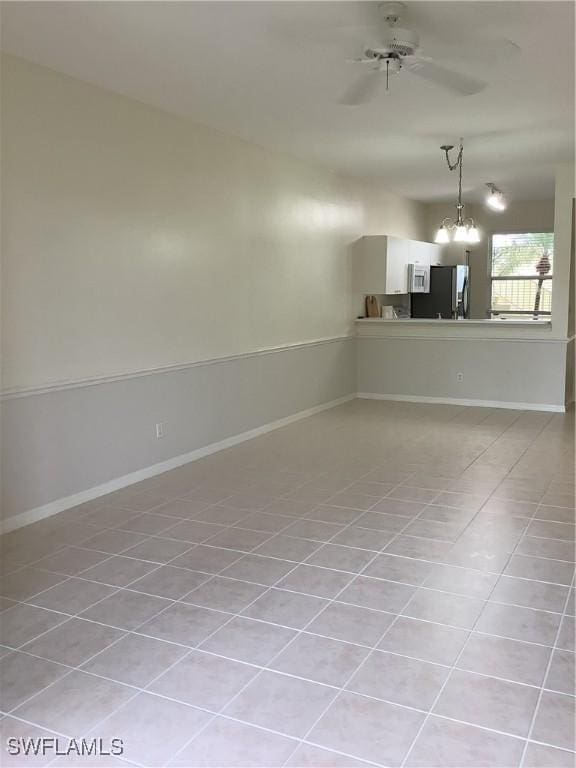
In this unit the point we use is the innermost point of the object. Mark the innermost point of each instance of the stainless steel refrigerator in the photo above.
(448, 297)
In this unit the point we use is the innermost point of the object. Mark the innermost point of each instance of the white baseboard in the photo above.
(463, 401)
(59, 505)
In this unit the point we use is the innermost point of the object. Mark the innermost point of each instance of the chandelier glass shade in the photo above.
(461, 229)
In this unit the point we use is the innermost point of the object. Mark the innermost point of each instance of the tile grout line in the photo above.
(151, 682)
(96, 654)
(454, 666)
(357, 670)
(110, 714)
(260, 667)
(129, 585)
(343, 688)
(544, 678)
(374, 647)
(20, 649)
(320, 542)
(296, 564)
(116, 590)
(265, 728)
(211, 577)
(389, 628)
(298, 634)
(237, 523)
(78, 614)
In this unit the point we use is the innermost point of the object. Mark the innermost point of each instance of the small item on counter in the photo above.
(388, 313)
(401, 312)
(372, 307)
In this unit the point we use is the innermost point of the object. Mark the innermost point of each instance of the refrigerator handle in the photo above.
(465, 297)
(454, 292)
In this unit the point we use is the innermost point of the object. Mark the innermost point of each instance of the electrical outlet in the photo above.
(459, 377)
(160, 430)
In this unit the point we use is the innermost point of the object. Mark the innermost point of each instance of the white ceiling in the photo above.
(272, 73)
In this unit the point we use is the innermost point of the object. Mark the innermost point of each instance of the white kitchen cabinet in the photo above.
(424, 253)
(380, 263)
(396, 265)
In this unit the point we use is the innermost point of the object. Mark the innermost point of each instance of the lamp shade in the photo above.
(461, 234)
(442, 235)
(473, 234)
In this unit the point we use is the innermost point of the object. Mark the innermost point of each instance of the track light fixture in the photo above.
(495, 198)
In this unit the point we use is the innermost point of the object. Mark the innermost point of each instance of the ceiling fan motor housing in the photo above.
(402, 42)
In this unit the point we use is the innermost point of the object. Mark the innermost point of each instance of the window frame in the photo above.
(491, 279)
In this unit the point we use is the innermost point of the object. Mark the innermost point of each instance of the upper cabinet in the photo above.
(380, 263)
(396, 257)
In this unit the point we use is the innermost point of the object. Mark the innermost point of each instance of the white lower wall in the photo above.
(65, 445)
(67, 441)
(570, 378)
(499, 372)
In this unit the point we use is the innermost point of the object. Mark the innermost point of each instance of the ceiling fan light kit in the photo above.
(461, 229)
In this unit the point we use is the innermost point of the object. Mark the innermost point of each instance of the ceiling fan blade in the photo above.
(363, 89)
(485, 50)
(363, 60)
(442, 76)
(310, 23)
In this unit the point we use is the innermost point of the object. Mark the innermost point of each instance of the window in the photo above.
(521, 275)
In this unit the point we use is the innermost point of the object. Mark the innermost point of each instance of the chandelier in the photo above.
(461, 229)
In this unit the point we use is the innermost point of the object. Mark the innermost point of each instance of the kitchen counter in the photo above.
(459, 322)
(428, 328)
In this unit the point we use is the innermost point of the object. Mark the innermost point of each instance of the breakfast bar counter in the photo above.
(515, 364)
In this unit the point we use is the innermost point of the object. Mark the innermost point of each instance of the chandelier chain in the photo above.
(461, 161)
(460, 229)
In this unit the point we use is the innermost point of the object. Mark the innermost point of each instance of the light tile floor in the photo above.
(381, 584)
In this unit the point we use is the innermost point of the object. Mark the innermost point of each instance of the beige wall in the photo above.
(135, 240)
(389, 214)
(521, 215)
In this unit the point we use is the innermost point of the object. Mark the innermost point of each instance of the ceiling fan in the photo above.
(394, 49)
